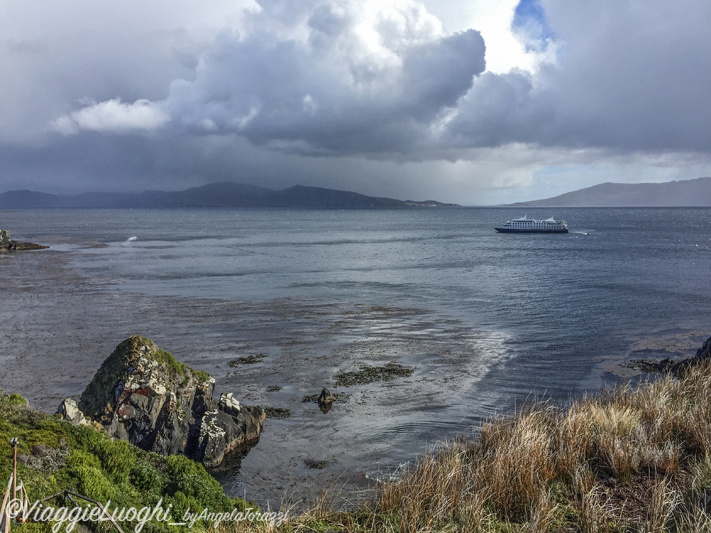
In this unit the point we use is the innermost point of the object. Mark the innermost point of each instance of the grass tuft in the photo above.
(634, 460)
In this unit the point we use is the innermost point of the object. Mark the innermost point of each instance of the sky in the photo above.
(478, 102)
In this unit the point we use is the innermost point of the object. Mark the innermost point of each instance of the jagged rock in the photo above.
(141, 394)
(69, 410)
(220, 433)
(228, 404)
(8, 245)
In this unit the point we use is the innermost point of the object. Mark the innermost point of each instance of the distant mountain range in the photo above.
(686, 193)
(213, 195)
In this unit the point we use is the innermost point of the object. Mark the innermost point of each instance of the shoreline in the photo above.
(624, 458)
(64, 325)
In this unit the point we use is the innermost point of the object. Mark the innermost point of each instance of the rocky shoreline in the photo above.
(10, 245)
(142, 395)
(60, 324)
(670, 366)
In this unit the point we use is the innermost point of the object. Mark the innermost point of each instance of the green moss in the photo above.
(116, 459)
(147, 478)
(175, 367)
(201, 375)
(103, 469)
(93, 483)
(500, 526)
(178, 369)
(16, 399)
(566, 516)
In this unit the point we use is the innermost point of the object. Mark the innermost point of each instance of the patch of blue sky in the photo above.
(530, 19)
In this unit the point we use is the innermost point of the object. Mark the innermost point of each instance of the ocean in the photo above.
(486, 321)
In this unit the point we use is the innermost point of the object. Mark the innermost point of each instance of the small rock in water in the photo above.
(8, 245)
(325, 400)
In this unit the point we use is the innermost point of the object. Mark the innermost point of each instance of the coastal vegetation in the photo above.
(625, 460)
(630, 459)
(54, 455)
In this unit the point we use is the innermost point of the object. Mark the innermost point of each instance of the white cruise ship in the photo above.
(528, 225)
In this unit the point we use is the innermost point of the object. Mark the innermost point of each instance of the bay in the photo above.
(485, 320)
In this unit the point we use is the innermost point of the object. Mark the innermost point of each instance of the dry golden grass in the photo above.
(635, 460)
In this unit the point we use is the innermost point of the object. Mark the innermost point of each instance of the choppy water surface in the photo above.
(484, 319)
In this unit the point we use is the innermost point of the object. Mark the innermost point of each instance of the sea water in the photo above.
(485, 320)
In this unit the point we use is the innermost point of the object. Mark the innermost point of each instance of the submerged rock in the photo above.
(142, 395)
(9, 245)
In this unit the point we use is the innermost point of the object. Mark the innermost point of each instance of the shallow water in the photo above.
(486, 320)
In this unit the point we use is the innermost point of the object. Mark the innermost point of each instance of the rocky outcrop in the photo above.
(669, 366)
(9, 245)
(69, 410)
(142, 395)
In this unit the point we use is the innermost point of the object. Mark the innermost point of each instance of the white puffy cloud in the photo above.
(113, 116)
(341, 77)
(371, 77)
(55, 54)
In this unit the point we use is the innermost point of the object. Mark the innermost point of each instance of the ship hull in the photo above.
(521, 230)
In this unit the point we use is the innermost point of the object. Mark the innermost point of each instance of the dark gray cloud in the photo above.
(310, 77)
(626, 78)
(340, 89)
(501, 109)
(163, 92)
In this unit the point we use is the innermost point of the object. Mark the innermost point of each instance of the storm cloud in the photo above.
(239, 89)
(341, 78)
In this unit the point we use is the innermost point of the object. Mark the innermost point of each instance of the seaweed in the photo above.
(248, 360)
(370, 374)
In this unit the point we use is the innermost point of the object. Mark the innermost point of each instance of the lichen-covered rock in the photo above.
(220, 433)
(141, 394)
(228, 404)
